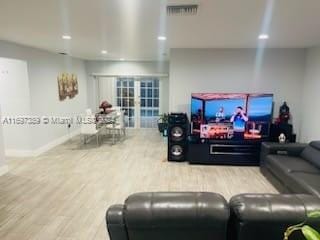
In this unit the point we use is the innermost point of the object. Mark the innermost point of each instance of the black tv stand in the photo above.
(224, 152)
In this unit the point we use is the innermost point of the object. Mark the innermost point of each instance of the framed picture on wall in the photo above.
(67, 86)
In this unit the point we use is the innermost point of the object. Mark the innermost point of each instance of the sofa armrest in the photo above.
(291, 149)
(115, 223)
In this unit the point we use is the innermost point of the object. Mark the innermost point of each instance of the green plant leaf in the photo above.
(314, 214)
(309, 233)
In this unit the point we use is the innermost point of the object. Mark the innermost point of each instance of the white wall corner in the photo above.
(4, 169)
(43, 149)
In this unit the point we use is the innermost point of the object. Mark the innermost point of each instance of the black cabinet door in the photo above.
(198, 153)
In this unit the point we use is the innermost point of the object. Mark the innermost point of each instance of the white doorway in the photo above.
(140, 99)
(15, 102)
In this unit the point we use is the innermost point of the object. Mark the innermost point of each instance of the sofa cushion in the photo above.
(312, 153)
(309, 182)
(267, 216)
(291, 164)
(170, 209)
(174, 215)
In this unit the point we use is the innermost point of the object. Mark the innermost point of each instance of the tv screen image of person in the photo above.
(221, 110)
(231, 116)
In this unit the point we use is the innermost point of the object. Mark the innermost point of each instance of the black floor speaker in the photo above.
(178, 129)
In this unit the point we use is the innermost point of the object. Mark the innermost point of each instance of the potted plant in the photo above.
(163, 122)
(308, 232)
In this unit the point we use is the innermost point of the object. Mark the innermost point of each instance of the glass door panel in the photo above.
(145, 92)
(149, 102)
(126, 99)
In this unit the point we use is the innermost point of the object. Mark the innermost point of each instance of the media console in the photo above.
(201, 151)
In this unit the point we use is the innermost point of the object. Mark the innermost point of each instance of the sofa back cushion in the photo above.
(187, 216)
(267, 216)
(312, 153)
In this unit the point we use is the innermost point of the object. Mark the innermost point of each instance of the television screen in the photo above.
(231, 116)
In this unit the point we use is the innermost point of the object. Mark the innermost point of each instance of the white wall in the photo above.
(43, 69)
(233, 70)
(114, 68)
(310, 129)
(15, 101)
(3, 166)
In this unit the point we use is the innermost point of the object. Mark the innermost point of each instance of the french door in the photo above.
(140, 99)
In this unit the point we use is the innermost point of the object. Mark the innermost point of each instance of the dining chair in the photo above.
(119, 126)
(88, 127)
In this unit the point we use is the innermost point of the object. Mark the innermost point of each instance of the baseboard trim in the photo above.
(18, 153)
(43, 149)
(55, 143)
(4, 169)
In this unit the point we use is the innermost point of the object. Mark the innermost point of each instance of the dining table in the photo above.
(106, 119)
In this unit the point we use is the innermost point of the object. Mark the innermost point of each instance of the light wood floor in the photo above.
(64, 193)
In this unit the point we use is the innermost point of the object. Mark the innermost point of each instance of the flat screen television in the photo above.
(234, 116)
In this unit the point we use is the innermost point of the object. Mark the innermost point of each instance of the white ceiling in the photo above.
(129, 28)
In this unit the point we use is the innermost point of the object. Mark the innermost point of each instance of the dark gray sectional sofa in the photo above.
(292, 168)
(208, 216)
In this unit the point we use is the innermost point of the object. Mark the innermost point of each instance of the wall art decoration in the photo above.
(67, 85)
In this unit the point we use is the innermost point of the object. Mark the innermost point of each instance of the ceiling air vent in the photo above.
(182, 10)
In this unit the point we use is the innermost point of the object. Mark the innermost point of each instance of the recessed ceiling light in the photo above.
(66, 37)
(162, 38)
(104, 52)
(263, 36)
(121, 59)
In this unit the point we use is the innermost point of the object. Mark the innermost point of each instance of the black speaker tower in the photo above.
(178, 129)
